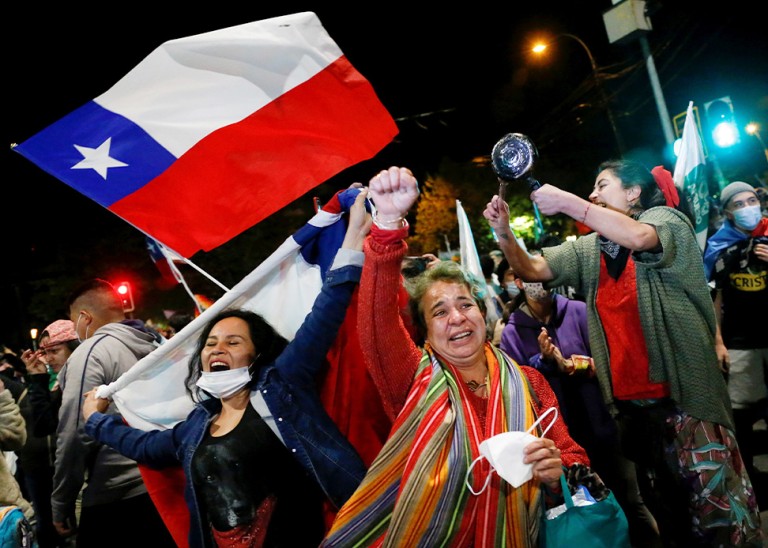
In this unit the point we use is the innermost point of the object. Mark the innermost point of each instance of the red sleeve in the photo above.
(390, 354)
(570, 451)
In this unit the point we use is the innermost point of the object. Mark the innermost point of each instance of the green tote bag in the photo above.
(599, 525)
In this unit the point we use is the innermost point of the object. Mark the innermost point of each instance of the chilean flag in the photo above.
(170, 275)
(212, 133)
(282, 289)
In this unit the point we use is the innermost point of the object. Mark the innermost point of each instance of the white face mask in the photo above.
(512, 290)
(504, 453)
(747, 218)
(535, 291)
(77, 324)
(223, 384)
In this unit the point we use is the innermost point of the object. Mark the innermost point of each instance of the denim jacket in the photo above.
(285, 395)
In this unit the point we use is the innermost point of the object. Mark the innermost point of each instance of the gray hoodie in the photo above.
(100, 359)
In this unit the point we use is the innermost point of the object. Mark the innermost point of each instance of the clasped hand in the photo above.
(92, 404)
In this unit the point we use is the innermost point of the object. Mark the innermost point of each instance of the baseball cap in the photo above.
(58, 332)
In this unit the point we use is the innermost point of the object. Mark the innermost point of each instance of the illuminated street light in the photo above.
(753, 129)
(539, 49)
(33, 335)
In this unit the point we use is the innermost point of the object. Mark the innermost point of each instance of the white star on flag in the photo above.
(97, 159)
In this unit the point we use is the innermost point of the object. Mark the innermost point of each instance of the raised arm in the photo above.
(304, 357)
(529, 268)
(390, 353)
(614, 225)
(359, 223)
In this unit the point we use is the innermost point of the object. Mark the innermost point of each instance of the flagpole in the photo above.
(198, 306)
(175, 256)
(203, 272)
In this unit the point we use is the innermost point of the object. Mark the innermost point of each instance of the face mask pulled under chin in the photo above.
(536, 291)
(504, 453)
(223, 384)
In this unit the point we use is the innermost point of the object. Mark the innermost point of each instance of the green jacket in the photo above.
(676, 313)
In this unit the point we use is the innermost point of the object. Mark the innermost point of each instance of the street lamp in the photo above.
(33, 335)
(540, 47)
(753, 129)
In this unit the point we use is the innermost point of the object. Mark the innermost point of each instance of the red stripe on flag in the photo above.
(242, 173)
(166, 489)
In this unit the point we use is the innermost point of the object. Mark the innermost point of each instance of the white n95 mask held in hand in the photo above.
(504, 453)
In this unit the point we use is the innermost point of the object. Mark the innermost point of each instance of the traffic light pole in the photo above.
(661, 104)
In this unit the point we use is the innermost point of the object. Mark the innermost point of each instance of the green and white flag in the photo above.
(470, 260)
(691, 177)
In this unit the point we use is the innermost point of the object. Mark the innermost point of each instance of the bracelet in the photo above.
(392, 224)
(584, 217)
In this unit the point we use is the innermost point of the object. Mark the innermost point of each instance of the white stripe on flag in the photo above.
(282, 289)
(210, 80)
(471, 261)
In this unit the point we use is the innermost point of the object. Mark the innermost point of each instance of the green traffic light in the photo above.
(722, 123)
(725, 134)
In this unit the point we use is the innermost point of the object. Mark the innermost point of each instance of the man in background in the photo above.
(739, 274)
(115, 504)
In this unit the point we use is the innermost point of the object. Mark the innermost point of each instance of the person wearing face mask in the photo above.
(509, 288)
(743, 218)
(259, 453)
(548, 332)
(510, 296)
(740, 277)
(652, 331)
(111, 484)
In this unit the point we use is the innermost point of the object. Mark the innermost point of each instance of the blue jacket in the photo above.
(288, 389)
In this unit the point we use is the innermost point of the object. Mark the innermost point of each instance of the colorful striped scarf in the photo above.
(415, 493)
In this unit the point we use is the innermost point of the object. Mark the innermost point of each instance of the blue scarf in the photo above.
(725, 237)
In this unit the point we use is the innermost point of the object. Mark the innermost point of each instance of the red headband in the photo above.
(665, 182)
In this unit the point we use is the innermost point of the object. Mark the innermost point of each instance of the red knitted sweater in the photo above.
(391, 355)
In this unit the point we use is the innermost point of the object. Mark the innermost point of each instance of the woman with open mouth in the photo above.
(654, 340)
(260, 454)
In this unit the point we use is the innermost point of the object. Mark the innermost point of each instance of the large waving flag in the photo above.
(691, 177)
(212, 133)
(282, 289)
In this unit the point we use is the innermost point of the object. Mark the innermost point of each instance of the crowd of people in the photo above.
(648, 349)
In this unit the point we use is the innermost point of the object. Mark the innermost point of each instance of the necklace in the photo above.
(474, 386)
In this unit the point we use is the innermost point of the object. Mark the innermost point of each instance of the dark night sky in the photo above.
(456, 79)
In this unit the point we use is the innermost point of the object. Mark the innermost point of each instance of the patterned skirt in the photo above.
(692, 477)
